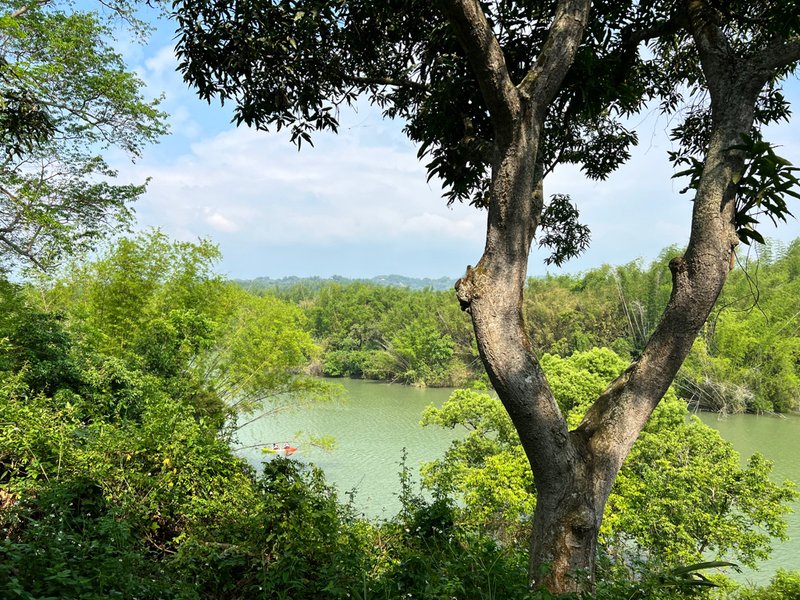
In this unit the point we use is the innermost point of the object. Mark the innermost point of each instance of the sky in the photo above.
(358, 204)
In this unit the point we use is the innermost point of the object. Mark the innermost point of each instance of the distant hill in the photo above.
(314, 283)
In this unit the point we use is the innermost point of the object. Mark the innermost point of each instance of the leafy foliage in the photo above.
(117, 480)
(746, 359)
(762, 187)
(767, 180)
(562, 231)
(403, 56)
(678, 81)
(114, 455)
(157, 306)
(680, 495)
(366, 330)
(784, 586)
(705, 502)
(65, 97)
(111, 485)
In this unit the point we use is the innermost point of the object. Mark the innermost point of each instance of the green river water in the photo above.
(378, 420)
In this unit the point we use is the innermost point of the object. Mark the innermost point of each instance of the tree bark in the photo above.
(575, 470)
(564, 529)
(615, 420)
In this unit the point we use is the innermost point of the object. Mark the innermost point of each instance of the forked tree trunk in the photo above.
(568, 512)
(575, 470)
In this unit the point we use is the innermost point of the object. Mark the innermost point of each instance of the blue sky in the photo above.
(358, 203)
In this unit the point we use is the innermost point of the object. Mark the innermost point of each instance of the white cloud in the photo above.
(220, 222)
(260, 187)
(161, 65)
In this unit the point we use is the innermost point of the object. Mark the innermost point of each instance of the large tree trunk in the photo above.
(575, 470)
(567, 517)
(568, 512)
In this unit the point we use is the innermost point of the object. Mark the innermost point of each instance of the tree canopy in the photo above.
(403, 57)
(66, 97)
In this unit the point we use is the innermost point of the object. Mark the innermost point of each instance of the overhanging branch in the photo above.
(390, 81)
(778, 55)
(632, 37)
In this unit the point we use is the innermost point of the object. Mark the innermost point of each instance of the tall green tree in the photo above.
(66, 97)
(497, 93)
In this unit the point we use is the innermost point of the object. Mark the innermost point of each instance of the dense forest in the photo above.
(126, 377)
(746, 359)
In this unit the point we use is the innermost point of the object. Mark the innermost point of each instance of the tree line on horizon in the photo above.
(281, 283)
(746, 358)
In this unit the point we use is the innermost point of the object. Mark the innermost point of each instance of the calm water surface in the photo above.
(777, 438)
(378, 420)
(371, 428)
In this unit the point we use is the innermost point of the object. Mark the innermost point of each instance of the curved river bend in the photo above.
(378, 420)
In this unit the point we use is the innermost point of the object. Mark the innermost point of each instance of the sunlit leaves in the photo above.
(705, 501)
(259, 352)
(748, 358)
(681, 495)
(65, 97)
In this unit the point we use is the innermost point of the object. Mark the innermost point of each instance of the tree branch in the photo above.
(391, 81)
(487, 60)
(9, 194)
(22, 252)
(777, 55)
(631, 37)
(28, 7)
(544, 79)
(715, 52)
(614, 421)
